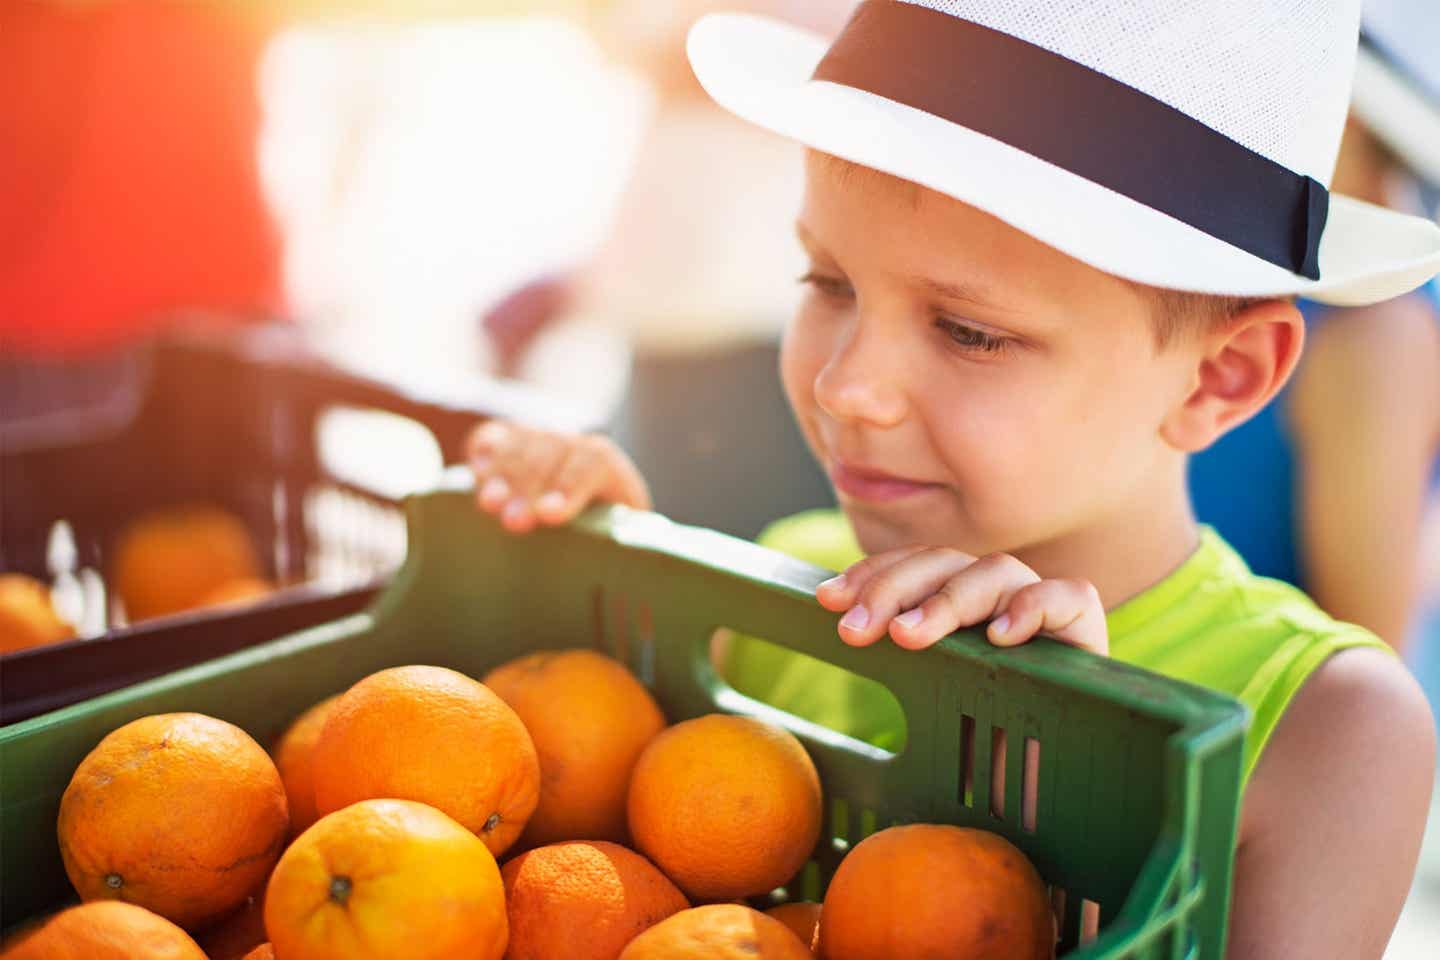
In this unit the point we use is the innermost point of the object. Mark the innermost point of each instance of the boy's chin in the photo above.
(878, 530)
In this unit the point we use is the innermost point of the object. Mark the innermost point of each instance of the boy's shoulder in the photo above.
(1341, 792)
(1214, 593)
(1214, 623)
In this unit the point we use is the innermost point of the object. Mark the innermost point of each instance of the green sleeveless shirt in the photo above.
(1211, 622)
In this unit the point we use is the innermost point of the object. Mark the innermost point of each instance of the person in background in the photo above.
(1328, 487)
(697, 284)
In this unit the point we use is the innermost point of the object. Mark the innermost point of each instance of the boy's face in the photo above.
(1017, 407)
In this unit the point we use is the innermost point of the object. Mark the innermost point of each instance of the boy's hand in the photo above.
(532, 477)
(920, 594)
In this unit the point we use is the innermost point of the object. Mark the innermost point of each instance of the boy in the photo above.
(1007, 425)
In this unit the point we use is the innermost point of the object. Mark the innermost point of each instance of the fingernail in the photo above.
(493, 432)
(856, 619)
(1001, 624)
(516, 509)
(481, 464)
(552, 502)
(911, 618)
(834, 583)
(495, 489)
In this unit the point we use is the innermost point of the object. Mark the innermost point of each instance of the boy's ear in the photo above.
(1241, 367)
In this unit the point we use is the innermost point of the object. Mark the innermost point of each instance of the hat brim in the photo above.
(759, 69)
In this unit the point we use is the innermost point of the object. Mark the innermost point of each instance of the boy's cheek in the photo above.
(803, 355)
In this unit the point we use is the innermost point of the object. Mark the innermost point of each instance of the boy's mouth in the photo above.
(874, 486)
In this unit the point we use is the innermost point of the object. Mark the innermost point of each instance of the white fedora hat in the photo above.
(1397, 80)
(1185, 144)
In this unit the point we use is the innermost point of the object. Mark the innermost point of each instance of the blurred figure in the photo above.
(690, 280)
(1339, 473)
(425, 168)
(128, 159)
(673, 274)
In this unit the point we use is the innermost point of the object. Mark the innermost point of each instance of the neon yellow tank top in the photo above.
(1211, 622)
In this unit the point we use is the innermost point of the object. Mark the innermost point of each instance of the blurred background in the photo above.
(263, 262)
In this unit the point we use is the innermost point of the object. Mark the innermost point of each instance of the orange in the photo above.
(721, 931)
(583, 901)
(803, 919)
(589, 718)
(262, 952)
(294, 756)
(104, 930)
(180, 813)
(27, 618)
(383, 879)
(172, 561)
(242, 590)
(435, 736)
(22, 930)
(727, 806)
(896, 895)
(239, 933)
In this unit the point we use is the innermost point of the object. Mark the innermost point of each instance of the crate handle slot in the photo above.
(967, 760)
(997, 772)
(726, 672)
(1089, 921)
(1030, 786)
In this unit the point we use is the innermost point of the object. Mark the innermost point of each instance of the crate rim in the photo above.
(1205, 720)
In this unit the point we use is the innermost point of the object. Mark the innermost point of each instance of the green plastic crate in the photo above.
(1139, 776)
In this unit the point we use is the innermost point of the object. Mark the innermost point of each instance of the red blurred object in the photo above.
(129, 181)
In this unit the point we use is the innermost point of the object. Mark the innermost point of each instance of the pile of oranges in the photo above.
(185, 558)
(27, 616)
(165, 562)
(380, 828)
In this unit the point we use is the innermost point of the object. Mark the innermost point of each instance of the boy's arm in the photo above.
(1334, 814)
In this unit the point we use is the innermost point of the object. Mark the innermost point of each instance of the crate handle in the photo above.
(1044, 660)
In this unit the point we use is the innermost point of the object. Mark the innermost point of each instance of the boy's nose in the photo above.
(859, 384)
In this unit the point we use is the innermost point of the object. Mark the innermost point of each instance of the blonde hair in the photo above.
(1176, 314)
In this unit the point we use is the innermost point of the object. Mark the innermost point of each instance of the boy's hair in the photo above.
(1176, 313)
(1179, 313)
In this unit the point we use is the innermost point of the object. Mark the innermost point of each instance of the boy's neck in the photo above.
(1128, 553)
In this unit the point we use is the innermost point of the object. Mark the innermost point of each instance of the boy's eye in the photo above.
(969, 338)
(829, 286)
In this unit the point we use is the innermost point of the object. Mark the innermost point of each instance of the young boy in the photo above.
(997, 366)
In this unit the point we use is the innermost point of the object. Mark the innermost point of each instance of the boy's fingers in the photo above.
(573, 486)
(624, 483)
(530, 465)
(485, 439)
(494, 494)
(497, 449)
(838, 594)
(1068, 610)
(973, 594)
(531, 476)
(894, 588)
(517, 516)
(481, 449)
